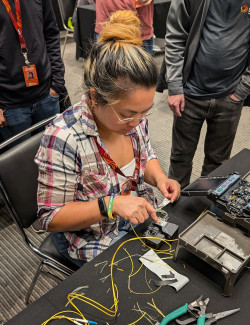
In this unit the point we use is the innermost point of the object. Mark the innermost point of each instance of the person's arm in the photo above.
(60, 167)
(243, 88)
(176, 37)
(52, 39)
(75, 216)
(154, 176)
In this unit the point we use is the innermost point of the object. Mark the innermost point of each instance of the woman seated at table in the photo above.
(95, 158)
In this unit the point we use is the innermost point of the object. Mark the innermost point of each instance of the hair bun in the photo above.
(122, 25)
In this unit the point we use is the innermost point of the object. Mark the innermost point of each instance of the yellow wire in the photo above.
(70, 301)
(138, 319)
(91, 302)
(157, 308)
(57, 316)
(152, 237)
(138, 293)
(147, 280)
(203, 212)
(137, 270)
(144, 293)
(112, 312)
(130, 260)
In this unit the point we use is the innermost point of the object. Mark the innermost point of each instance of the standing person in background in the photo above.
(30, 45)
(208, 78)
(145, 12)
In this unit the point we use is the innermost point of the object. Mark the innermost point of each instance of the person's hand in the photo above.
(53, 93)
(144, 2)
(133, 208)
(169, 188)
(2, 119)
(234, 98)
(176, 104)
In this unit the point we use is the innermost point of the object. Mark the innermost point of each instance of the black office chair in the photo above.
(18, 186)
(64, 9)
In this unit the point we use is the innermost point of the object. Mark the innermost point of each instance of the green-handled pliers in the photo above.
(174, 314)
(206, 319)
(195, 308)
(211, 318)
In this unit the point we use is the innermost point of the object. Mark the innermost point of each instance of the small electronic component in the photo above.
(161, 230)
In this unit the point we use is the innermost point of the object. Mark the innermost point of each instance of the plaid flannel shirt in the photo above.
(72, 169)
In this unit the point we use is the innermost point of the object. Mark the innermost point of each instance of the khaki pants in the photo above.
(222, 116)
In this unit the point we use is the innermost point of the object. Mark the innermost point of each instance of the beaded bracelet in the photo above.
(110, 206)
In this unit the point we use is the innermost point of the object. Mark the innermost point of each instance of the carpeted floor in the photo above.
(17, 268)
(17, 263)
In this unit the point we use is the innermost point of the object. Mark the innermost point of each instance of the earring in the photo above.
(93, 105)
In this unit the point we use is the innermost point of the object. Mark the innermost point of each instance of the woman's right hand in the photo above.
(133, 208)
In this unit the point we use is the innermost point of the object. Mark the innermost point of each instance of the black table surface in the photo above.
(203, 278)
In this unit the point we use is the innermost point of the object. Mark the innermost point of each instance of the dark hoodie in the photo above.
(41, 35)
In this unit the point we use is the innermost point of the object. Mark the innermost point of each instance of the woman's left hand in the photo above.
(169, 188)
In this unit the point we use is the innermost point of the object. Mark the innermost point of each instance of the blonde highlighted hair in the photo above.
(117, 63)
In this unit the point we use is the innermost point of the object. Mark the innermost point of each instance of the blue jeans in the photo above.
(147, 44)
(62, 243)
(19, 119)
(123, 228)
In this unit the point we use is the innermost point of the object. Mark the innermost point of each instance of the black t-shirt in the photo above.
(223, 52)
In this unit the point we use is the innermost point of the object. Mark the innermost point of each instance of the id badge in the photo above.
(30, 75)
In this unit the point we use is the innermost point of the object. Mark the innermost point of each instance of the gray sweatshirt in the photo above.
(187, 25)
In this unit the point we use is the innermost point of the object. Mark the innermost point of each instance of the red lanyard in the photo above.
(17, 22)
(131, 183)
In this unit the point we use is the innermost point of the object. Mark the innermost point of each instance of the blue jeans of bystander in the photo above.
(148, 45)
(19, 119)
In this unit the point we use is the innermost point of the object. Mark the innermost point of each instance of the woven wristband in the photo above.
(110, 206)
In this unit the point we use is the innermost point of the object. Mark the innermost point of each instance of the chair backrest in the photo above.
(18, 180)
(63, 10)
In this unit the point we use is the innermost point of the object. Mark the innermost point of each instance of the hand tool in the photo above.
(195, 308)
(211, 318)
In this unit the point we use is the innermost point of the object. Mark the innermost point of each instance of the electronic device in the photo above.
(220, 245)
(231, 194)
(202, 185)
(162, 230)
